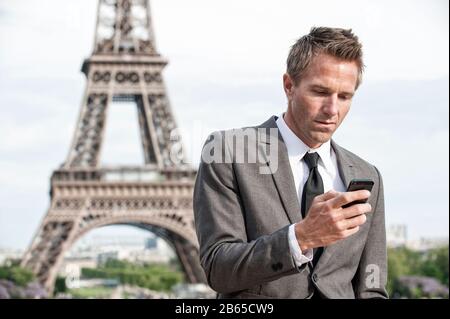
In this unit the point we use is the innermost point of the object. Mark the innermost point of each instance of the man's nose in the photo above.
(330, 106)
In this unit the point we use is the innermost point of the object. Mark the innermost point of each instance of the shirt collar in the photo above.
(296, 148)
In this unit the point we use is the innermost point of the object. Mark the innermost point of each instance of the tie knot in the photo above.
(311, 159)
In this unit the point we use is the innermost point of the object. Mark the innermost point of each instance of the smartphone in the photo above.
(356, 185)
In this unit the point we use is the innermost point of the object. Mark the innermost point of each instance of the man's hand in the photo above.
(327, 222)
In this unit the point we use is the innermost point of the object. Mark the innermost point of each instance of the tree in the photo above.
(16, 274)
(403, 262)
(436, 264)
(151, 276)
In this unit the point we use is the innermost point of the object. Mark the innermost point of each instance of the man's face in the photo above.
(319, 102)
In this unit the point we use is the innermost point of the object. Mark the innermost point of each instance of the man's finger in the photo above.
(327, 196)
(351, 231)
(355, 210)
(348, 197)
(356, 221)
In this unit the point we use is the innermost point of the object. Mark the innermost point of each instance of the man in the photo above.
(286, 234)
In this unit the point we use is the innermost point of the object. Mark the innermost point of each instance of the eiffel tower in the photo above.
(124, 66)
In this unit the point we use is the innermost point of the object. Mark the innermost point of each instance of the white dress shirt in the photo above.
(328, 170)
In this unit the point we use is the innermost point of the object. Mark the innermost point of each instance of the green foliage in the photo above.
(60, 285)
(437, 264)
(401, 262)
(91, 292)
(20, 276)
(151, 276)
(405, 262)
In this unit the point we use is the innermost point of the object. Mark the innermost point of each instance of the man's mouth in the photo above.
(325, 123)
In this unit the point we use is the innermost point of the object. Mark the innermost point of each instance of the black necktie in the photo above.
(312, 188)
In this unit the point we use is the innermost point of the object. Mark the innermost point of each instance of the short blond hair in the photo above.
(340, 43)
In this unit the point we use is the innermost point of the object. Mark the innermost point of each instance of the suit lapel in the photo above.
(345, 164)
(282, 174)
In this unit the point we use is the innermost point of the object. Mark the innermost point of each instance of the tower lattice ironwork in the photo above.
(157, 196)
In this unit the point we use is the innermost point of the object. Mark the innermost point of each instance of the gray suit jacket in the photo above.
(242, 219)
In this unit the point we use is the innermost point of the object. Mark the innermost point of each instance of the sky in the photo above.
(227, 59)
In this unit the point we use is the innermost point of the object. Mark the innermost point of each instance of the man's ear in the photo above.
(288, 85)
